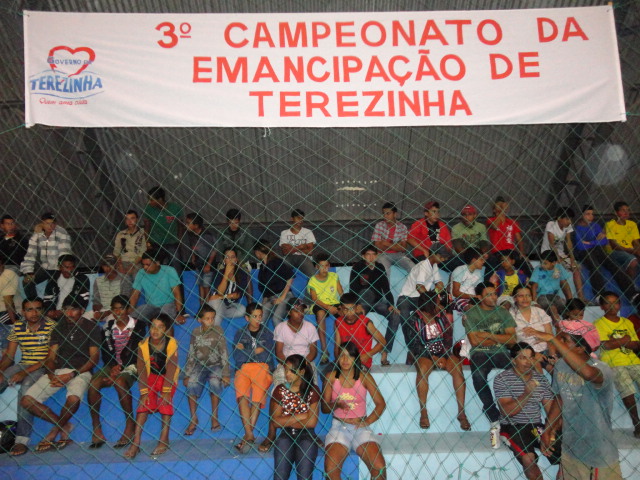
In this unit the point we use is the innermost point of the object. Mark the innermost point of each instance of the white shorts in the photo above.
(349, 435)
(77, 386)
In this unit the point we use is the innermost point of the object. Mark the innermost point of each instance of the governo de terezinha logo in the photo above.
(69, 75)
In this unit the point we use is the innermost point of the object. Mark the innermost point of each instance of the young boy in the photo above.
(357, 328)
(465, 278)
(253, 354)
(546, 281)
(122, 334)
(207, 361)
(158, 370)
(557, 234)
(130, 244)
(508, 278)
(325, 291)
(620, 344)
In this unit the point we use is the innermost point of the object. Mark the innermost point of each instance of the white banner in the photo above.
(322, 69)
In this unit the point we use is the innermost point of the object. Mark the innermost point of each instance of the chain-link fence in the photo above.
(341, 178)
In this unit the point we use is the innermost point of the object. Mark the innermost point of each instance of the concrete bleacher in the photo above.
(444, 451)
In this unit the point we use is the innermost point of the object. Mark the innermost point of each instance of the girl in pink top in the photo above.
(345, 395)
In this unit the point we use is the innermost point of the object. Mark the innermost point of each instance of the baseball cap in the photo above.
(584, 329)
(468, 209)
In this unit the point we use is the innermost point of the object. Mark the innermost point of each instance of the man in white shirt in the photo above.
(297, 244)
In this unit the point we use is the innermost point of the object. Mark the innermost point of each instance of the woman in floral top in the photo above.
(296, 414)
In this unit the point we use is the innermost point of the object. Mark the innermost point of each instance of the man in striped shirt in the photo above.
(520, 391)
(46, 246)
(31, 334)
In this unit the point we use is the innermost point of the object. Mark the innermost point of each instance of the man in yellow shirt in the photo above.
(619, 344)
(624, 239)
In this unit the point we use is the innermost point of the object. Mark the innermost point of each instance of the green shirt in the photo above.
(164, 223)
(471, 234)
(493, 321)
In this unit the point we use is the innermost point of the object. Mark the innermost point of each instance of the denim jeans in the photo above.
(381, 307)
(278, 311)
(25, 419)
(300, 449)
(482, 362)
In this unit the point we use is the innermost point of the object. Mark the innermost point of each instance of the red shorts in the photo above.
(154, 398)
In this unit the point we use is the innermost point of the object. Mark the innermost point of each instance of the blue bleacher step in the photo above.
(468, 456)
(186, 459)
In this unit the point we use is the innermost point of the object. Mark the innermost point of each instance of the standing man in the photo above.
(46, 246)
(163, 225)
(427, 231)
(32, 334)
(585, 386)
(390, 237)
(236, 238)
(201, 253)
(490, 330)
(130, 244)
(160, 285)
(520, 392)
(74, 351)
(297, 244)
(13, 244)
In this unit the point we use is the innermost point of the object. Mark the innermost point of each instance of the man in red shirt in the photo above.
(427, 231)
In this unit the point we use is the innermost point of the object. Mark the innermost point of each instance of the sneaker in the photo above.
(494, 435)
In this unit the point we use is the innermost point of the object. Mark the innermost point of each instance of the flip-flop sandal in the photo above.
(191, 429)
(385, 363)
(159, 451)
(62, 444)
(217, 428)
(266, 445)
(18, 450)
(45, 446)
(97, 445)
(425, 424)
(122, 443)
(244, 446)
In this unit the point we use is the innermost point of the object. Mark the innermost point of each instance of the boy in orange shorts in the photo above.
(254, 357)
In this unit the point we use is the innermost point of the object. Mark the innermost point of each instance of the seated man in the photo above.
(160, 285)
(624, 239)
(490, 330)
(297, 244)
(46, 245)
(31, 334)
(74, 350)
(108, 286)
(390, 237)
(121, 336)
(427, 231)
(296, 336)
(424, 277)
(8, 290)
(236, 238)
(130, 244)
(620, 345)
(520, 392)
(368, 280)
(64, 283)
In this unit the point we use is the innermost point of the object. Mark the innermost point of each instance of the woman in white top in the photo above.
(528, 315)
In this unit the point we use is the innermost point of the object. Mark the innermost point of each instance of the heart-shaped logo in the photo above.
(70, 61)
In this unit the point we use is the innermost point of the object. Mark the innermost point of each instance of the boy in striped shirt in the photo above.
(31, 334)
